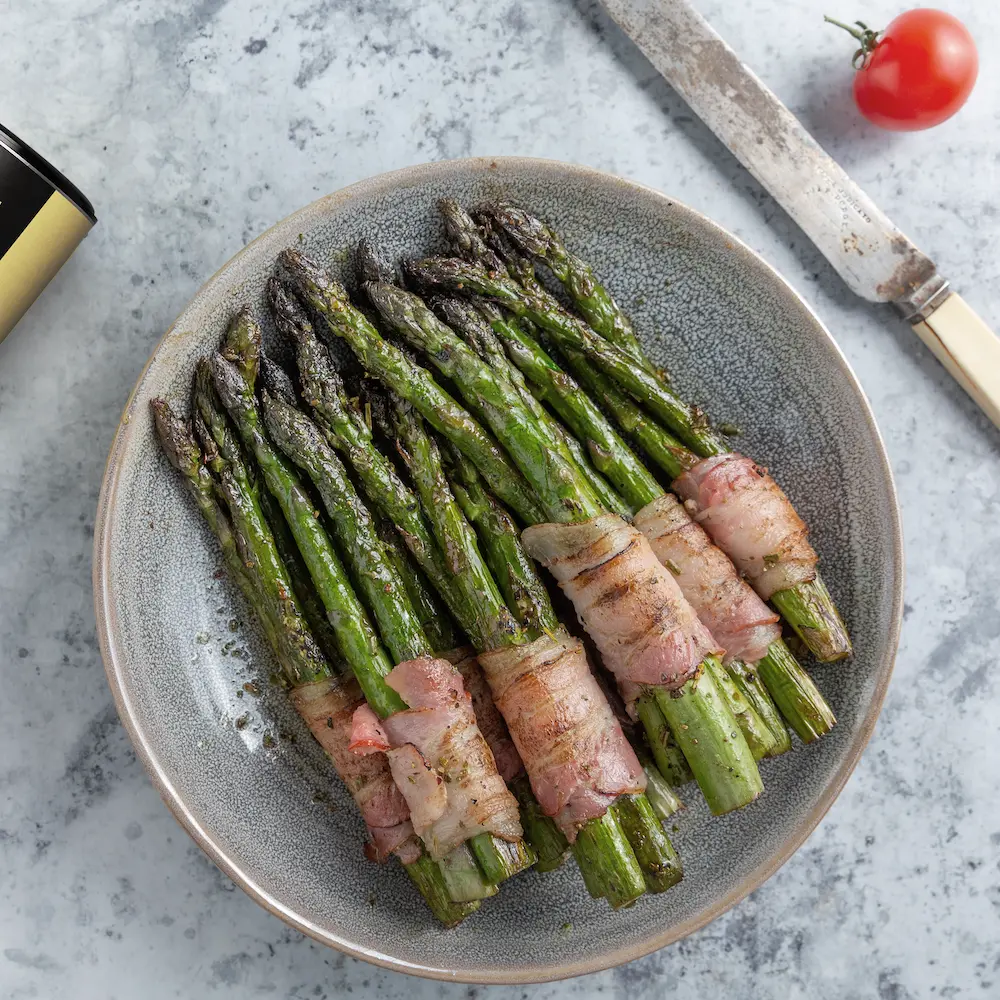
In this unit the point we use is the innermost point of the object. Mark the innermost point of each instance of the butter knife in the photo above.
(875, 259)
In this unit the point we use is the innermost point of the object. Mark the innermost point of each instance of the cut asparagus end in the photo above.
(747, 679)
(548, 841)
(712, 743)
(428, 877)
(501, 859)
(464, 878)
(809, 609)
(607, 862)
(661, 867)
(759, 738)
(662, 797)
(670, 762)
(795, 693)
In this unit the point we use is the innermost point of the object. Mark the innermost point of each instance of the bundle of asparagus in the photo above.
(218, 478)
(394, 576)
(724, 601)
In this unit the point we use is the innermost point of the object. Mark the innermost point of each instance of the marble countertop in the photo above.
(195, 124)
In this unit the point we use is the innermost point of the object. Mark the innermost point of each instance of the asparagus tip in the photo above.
(372, 264)
(277, 382)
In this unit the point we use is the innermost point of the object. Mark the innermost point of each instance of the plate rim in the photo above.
(109, 640)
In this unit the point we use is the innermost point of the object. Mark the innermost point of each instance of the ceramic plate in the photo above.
(242, 774)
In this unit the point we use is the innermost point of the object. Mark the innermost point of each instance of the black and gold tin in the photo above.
(43, 218)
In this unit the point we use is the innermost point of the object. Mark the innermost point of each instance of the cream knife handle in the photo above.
(968, 348)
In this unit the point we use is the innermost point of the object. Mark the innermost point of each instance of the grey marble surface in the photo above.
(195, 125)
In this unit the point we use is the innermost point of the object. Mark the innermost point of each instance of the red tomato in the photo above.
(921, 71)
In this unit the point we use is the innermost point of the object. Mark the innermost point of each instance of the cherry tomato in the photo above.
(917, 73)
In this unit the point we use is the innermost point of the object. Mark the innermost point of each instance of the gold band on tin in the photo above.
(34, 257)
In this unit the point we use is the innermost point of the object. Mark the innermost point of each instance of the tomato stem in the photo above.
(864, 34)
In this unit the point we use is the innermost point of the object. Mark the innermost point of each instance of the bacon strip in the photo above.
(491, 723)
(573, 748)
(737, 618)
(629, 603)
(749, 517)
(327, 706)
(441, 761)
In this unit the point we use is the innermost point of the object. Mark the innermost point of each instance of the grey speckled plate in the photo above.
(737, 339)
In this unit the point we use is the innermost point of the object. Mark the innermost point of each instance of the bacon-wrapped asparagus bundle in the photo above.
(229, 507)
(603, 442)
(729, 607)
(496, 839)
(806, 604)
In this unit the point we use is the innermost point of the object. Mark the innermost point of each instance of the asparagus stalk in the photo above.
(761, 741)
(795, 693)
(312, 606)
(662, 797)
(297, 660)
(435, 618)
(661, 867)
(610, 454)
(715, 755)
(509, 564)
(747, 681)
(361, 547)
(670, 762)
(537, 305)
(391, 366)
(591, 298)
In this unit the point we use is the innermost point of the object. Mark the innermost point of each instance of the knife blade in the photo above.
(876, 260)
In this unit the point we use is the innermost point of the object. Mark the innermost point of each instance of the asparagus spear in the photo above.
(661, 795)
(435, 618)
(509, 564)
(386, 362)
(292, 650)
(537, 305)
(591, 298)
(761, 741)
